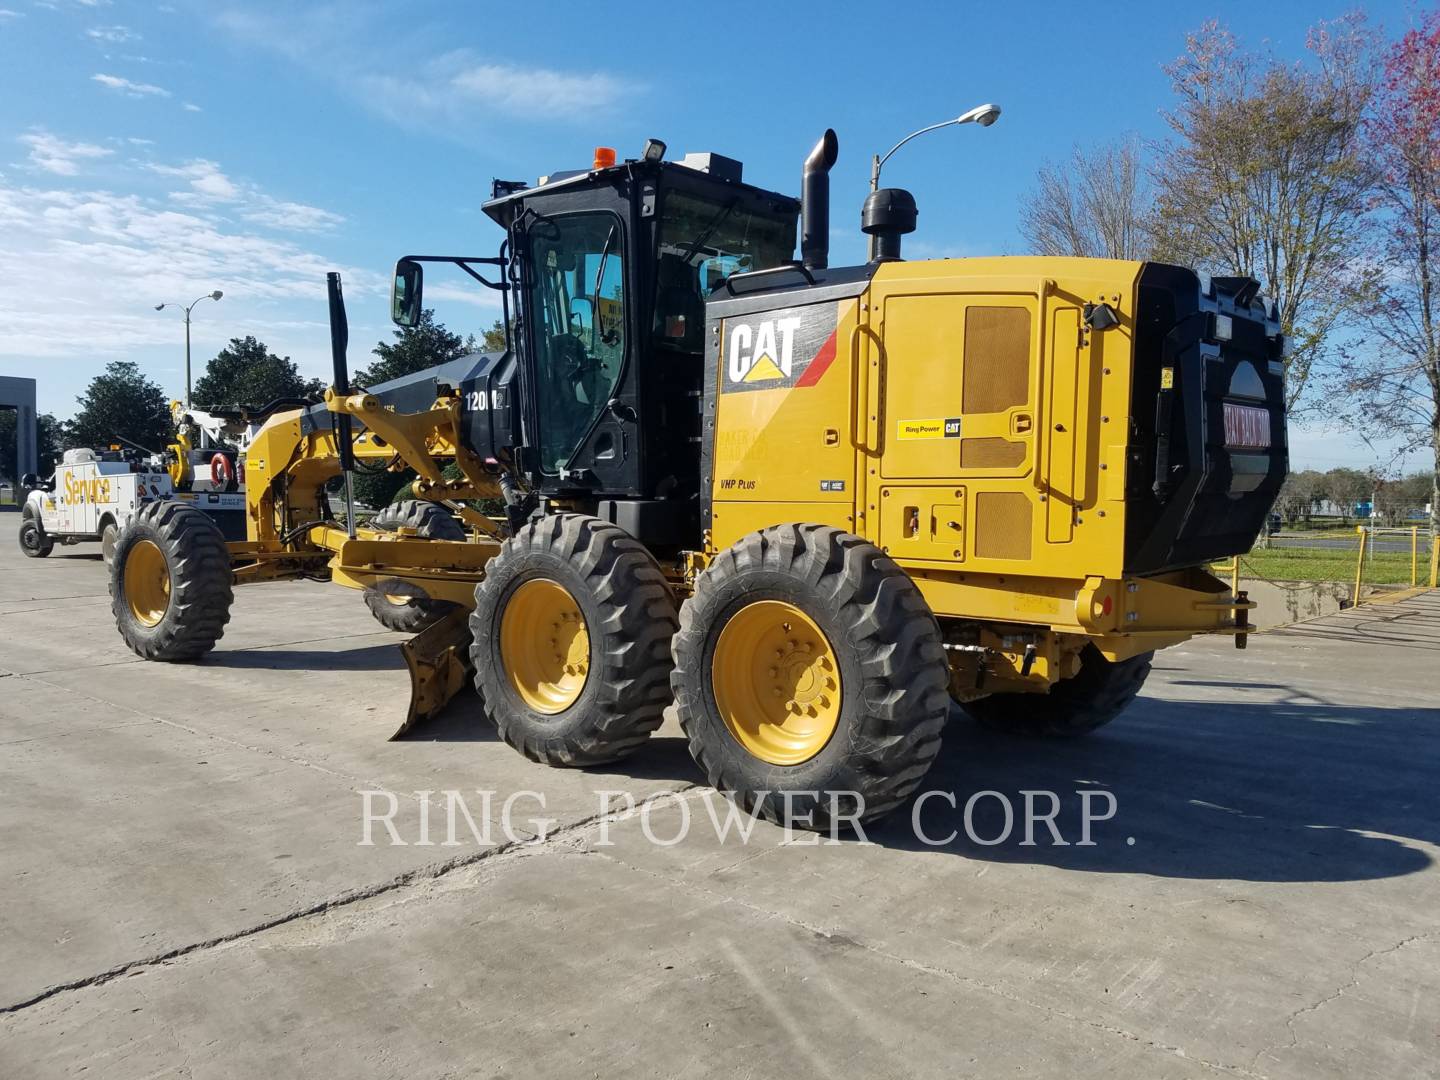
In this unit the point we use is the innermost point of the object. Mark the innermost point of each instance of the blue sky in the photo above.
(153, 152)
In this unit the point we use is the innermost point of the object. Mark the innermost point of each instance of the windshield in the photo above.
(703, 240)
(577, 308)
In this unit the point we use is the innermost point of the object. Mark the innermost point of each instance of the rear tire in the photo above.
(571, 641)
(431, 521)
(852, 611)
(1075, 706)
(33, 540)
(170, 582)
(404, 607)
(108, 535)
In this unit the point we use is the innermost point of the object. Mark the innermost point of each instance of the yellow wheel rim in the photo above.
(147, 583)
(777, 684)
(396, 599)
(545, 645)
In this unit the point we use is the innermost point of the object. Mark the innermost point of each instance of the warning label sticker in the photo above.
(941, 428)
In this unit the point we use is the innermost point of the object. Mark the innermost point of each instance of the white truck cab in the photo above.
(92, 495)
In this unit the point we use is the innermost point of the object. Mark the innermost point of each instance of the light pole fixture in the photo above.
(984, 115)
(216, 295)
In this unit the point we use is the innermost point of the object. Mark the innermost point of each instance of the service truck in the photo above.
(94, 493)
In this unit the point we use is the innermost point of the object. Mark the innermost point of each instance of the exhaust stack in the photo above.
(815, 202)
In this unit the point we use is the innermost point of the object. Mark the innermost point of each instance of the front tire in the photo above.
(170, 582)
(808, 663)
(401, 605)
(431, 521)
(33, 540)
(1075, 706)
(404, 607)
(571, 641)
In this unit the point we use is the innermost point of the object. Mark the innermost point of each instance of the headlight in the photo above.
(1224, 328)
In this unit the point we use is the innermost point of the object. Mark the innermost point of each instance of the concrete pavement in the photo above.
(184, 895)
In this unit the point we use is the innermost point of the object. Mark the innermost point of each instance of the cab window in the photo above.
(577, 309)
(702, 242)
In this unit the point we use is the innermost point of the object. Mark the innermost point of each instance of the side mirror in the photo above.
(406, 292)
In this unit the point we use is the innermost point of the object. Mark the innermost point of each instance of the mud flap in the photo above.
(439, 663)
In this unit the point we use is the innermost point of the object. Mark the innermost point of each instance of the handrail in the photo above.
(1042, 291)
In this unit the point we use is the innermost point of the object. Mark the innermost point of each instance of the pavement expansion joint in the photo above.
(561, 838)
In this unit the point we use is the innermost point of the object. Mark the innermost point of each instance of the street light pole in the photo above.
(216, 295)
(187, 358)
(984, 115)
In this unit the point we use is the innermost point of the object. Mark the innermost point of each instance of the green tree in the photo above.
(47, 435)
(1345, 487)
(493, 339)
(414, 349)
(119, 404)
(1300, 494)
(1268, 175)
(246, 372)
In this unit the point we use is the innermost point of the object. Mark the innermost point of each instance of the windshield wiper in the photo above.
(709, 230)
(595, 294)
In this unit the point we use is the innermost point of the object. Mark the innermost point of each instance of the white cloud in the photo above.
(6, 13)
(114, 35)
(289, 216)
(209, 186)
(453, 93)
(190, 106)
(57, 156)
(537, 91)
(204, 177)
(130, 89)
(81, 271)
(456, 89)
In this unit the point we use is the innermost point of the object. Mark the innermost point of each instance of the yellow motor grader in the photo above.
(808, 505)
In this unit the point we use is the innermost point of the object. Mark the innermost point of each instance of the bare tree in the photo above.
(1266, 175)
(1394, 389)
(1095, 205)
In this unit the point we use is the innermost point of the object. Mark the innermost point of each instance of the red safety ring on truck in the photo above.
(221, 471)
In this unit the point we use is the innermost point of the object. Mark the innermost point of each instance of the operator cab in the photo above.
(597, 399)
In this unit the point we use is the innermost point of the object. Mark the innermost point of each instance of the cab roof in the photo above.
(502, 208)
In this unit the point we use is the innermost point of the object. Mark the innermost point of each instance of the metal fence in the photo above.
(1365, 562)
(1390, 559)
